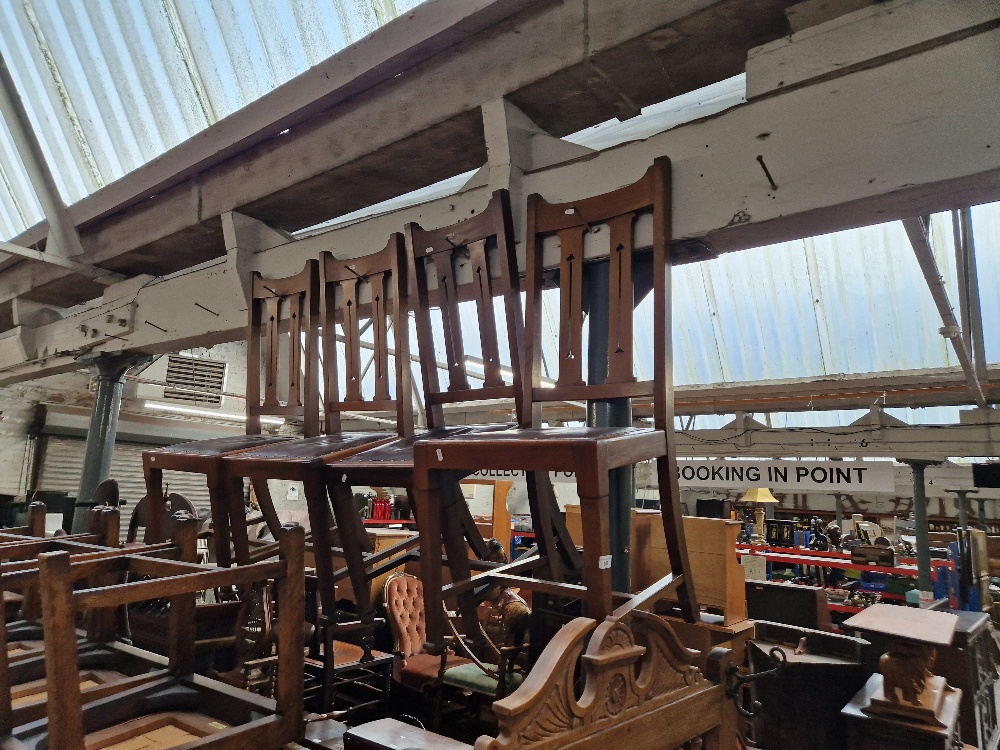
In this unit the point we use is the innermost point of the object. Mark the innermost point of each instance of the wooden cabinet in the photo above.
(381, 540)
(711, 545)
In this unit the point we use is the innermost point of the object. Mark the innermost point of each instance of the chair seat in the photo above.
(556, 448)
(307, 450)
(218, 446)
(401, 451)
(345, 654)
(471, 677)
(421, 670)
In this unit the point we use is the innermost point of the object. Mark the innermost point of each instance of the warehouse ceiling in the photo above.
(156, 118)
(190, 67)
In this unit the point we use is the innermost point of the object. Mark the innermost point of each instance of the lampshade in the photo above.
(759, 495)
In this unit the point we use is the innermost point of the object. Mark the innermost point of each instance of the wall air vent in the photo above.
(194, 380)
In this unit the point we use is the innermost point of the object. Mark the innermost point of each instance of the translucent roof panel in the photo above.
(847, 302)
(986, 228)
(110, 85)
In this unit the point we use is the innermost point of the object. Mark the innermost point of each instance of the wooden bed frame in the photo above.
(641, 691)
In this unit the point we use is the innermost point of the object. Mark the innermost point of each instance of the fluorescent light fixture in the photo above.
(156, 406)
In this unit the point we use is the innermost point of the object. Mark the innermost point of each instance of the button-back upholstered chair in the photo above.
(590, 452)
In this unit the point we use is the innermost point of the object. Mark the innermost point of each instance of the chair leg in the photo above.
(157, 503)
(554, 543)
(427, 503)
(592, 487)
(220, 520)
(452, 529)
(266, 504)
(354, 546)
(673, 530)
(238, 519)
(469, 529)
(320, 522)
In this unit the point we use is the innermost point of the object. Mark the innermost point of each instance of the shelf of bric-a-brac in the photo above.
(906, 567)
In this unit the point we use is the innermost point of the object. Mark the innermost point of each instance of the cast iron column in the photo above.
(982, 512)
(920, 523)
(962, 501)
(110, 369)
(614, 413)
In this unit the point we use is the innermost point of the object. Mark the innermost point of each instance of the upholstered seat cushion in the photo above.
(421, 670)
(470, 677)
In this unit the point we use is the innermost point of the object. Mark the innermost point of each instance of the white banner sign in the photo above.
(831, 476)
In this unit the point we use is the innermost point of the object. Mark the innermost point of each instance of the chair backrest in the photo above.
(570, 222)
(404, 606)
(140, 515)
(291, 303)
(472, 260)
(106, 493)
(367, 293)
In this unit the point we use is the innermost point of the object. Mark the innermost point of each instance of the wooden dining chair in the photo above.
(472, 261)
(105, 668)
(357, 295)
(178, 707)
(589, 452)
(290, 390)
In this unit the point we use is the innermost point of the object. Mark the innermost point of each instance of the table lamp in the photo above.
(758, 496)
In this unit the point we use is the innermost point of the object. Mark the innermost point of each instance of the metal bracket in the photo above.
(735, 680)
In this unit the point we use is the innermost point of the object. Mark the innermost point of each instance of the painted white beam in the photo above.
(933, 442)
(64, 238)
(395, 93)
(928, 121)
(54, 259)
(916, 231)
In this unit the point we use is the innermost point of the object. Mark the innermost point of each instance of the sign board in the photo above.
(829, 476)
(754, 567)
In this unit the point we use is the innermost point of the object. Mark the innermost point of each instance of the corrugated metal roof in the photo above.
(110, 85)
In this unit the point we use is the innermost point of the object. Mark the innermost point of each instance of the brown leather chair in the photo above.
(417, 669)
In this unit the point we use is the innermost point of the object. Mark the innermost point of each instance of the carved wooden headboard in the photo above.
(640, 691)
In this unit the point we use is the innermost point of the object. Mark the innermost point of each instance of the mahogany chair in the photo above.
(471, 261)
(105, 668)
(176, 707)
(290, 390)
(590, 452)
(140, 519)
(358, 294)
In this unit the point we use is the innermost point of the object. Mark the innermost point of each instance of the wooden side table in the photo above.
(866, 732)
